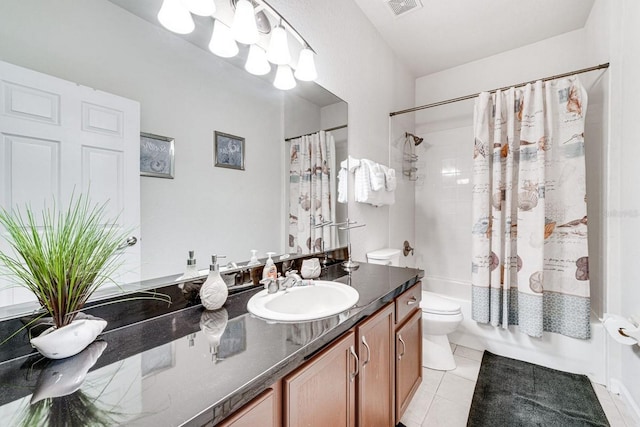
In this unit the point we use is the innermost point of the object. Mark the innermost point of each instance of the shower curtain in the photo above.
(530, 263)
(311, 202)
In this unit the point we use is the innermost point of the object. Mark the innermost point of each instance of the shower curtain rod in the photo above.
(464, 98)
(324, 130)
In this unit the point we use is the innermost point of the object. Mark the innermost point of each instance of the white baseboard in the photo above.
(617, 387)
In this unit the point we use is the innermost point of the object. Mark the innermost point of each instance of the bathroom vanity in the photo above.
(182, 365)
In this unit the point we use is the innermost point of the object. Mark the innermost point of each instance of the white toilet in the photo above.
(440, 316)
(385, 256)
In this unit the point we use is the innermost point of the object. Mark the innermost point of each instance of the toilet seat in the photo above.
(434, 304)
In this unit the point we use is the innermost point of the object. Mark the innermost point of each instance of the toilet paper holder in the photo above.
(622, 330)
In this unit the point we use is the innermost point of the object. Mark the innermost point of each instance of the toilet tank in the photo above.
(385, 256)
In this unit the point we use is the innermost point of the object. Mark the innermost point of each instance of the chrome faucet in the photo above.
(270, 285)
(292, 279)
(282, 283)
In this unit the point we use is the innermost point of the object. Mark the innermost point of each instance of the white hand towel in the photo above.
(342, 185)
(362, 183)
(390, 182)
(376, 175)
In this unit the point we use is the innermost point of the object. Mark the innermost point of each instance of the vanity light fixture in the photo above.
(244, 28)
(257, 63)
(174, 16)
(306, 70)
(200, 7)
(278, 51)
(222, 42)
(284, 78)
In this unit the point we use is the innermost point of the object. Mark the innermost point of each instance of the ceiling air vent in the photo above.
(401, 7)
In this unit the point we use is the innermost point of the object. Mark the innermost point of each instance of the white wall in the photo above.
(356, 64)
(623, 198)
(183, 94)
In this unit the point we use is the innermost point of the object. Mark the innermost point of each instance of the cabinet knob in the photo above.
(412, 301)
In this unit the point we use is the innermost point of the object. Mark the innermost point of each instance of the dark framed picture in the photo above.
(229, 151)
(156, 156)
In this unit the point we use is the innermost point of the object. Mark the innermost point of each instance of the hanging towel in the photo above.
(362, 180)
(390, 182)
(369, 175)
(342, 185)
(376, 175)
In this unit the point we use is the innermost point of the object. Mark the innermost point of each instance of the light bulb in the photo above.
(200, 7)
(284, 78)
(222, 43)
(306, 70)
(257, 61)
(175, 17)
(278, 52)
(244, 26)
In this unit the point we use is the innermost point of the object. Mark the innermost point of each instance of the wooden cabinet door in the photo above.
(264, 411)
(322, 392)
(377, 369)
(408, 361)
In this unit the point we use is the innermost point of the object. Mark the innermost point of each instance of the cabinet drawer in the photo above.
(408, 301)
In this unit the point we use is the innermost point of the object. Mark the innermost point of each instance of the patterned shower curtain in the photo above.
(311, 171)
(530, 263)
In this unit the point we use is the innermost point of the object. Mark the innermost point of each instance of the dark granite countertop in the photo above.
(188, 366)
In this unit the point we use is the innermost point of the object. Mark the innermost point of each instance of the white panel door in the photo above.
(57, 138)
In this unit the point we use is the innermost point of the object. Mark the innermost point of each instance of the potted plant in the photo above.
(63, 260)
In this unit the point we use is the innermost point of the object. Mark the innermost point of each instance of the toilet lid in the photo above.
(384, 254)
(432, 303)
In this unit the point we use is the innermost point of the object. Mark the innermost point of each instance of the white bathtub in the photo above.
(552, 350)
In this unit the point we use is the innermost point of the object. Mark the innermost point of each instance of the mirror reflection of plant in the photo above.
(76, 409)
(67, 258)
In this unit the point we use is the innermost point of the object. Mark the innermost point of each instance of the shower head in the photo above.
(416, 139)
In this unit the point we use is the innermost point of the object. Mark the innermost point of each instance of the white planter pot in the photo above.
(68, 340)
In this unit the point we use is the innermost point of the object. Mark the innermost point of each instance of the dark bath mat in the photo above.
(514, 393)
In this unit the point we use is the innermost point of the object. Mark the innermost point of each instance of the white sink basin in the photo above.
(301, 303)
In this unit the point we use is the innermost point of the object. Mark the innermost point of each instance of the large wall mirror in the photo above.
(186, 93)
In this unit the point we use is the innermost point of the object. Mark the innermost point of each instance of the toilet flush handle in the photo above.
(407, 248)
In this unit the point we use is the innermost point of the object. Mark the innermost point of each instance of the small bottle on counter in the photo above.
(214, 292)
(270, 270)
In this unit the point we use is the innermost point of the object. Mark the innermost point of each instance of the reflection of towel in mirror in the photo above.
(342, 185)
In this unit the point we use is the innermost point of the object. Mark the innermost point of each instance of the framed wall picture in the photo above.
(156, 156)
(228, 151)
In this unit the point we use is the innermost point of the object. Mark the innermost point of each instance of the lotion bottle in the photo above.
(214, 291)
(270, 271)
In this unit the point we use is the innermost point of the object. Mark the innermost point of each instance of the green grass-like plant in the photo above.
(64, 259)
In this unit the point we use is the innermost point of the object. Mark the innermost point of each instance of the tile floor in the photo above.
(444, 398)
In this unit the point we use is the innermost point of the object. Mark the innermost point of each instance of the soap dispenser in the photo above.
(270, 271)
(254, 258)
(191, 271)
(214, 291)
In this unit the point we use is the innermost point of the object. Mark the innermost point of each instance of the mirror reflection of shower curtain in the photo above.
(311, 202)
(530, 264)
